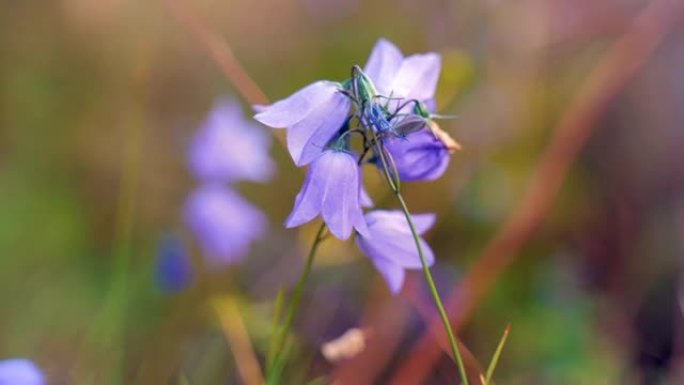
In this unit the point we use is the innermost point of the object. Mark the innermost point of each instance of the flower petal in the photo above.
(341, 192)
(307, 139)
(391, 272)
(383, 63)
(417, 77)
(297, 106)
(307, 203)
(419, 156)
(423, 222)
(364, 199)
(392, 238)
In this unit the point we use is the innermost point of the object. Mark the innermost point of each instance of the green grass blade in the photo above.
(497, 354)
(275, 327)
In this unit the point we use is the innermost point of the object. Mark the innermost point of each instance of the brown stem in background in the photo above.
(219, 51)
(610, 75)
(238, 339)
(221, 55)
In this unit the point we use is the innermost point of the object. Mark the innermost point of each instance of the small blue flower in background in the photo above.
(20, 371)
(224, 223)
(229, 148)
(173, 268)
(312, 116)
(332, 188)
(391, 247)
(419, 156)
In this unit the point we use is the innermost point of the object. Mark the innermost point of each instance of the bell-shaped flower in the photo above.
(20, 371)
(223, 223)
(332, 188)
(312, 116)
(392, 248)
(418, 156)
(173, 270)
(228, 148)
(411, 77)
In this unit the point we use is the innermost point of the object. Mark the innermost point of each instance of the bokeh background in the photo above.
(98, 100)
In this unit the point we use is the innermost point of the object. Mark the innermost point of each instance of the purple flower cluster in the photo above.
(388, 104)
(226, 149)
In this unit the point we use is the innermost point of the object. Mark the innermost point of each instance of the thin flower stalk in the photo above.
(276, 357)
(430, 281)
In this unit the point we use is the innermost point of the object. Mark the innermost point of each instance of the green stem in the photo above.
(276, 357)
(433, 291)
(394, 185)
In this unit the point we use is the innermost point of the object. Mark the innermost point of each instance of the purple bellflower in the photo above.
(392, 248)
(312, 116)
(418, 156)
(224, 223)
(173, 270)
(228, 148)
(332, 188)
(396, 76)
(20, 371)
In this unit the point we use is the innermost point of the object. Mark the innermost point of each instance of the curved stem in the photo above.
(276, 357)
(433, 292)
(426, 270)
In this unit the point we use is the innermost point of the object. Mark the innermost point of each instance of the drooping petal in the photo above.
(223, 223)
(20, 371)
(392, 273)
(401, 249)
(331, 188)
(307, 203)
(294, 108)
(395, 221)
(392, 245)
(228, 148)
(383, 64)
(417, 77)
(419, 156)
(423, 222)
(340, 206)
(308, 138)
(365, 199)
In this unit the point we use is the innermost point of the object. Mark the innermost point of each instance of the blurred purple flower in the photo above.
(332, 188)
(312, 116)
(20, 371)
(418, 156)
(411, 77)
(173, 270)
(228, 148)
(392, 248)
(223, 222)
